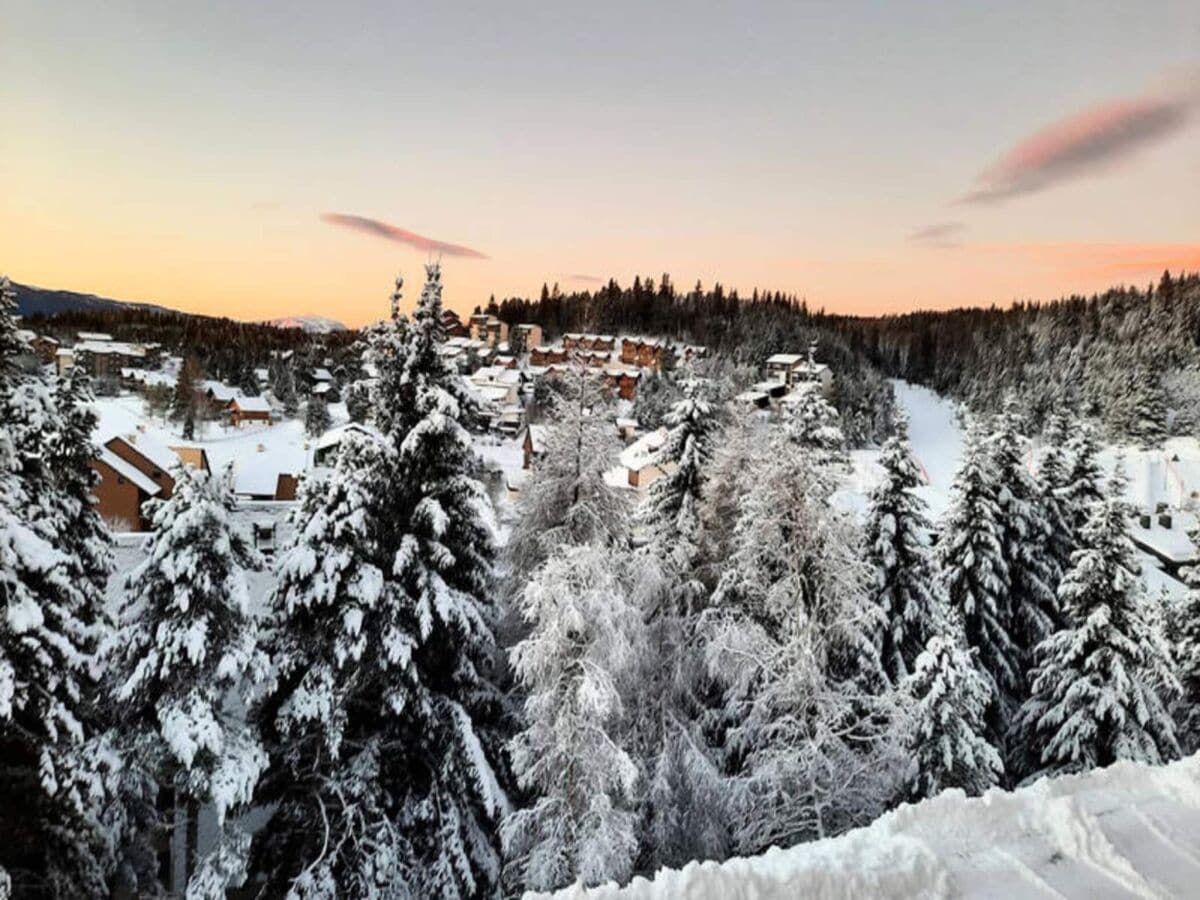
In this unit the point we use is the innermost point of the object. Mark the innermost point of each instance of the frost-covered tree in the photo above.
(686, 807)
(358, 401)
(283, 386)
(579, 668)
(567, 499)
(1053, 479)
(53, 785)
(906, 581)
(1101, 684)
(395, 747)
(948, 746)
(1025, 536)
(811, 421)
(975, 572)
(185, 662)
(1147, 422)
(1187, 655)
(1084, 484)
(811, 738)
(184, 403)
(316, 416)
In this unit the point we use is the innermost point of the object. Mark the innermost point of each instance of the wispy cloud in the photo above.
(1082, 143)
(582, 279)
(939, 234)
(400, 235)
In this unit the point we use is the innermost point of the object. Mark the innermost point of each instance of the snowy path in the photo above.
(1125, 831)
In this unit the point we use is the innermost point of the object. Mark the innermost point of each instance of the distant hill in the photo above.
(311, 324)
(35, 300)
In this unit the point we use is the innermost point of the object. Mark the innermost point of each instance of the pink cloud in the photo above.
(1082, 143)
(400, 235)
(1104, 260)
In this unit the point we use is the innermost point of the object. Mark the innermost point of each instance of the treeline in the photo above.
(224, 348)
(1127, 358)
(745, 329)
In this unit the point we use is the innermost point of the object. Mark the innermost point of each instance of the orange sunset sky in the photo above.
(261, 160)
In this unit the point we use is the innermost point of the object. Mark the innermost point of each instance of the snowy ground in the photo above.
(1125, 831)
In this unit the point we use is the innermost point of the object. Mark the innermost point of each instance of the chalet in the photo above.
(532, 335)
(572, 342)
(547, 356)
(45, 347)
(792, 368)
(64, 361)
(623, 381)
(452, 325)
(486, 328)
(248, 409)
(533, 444)
(270, 476)
(320, 375)
(153, 459)
(650, 353)
(330, 443)
(505, 362)
(120, 492)
(782, 366)
(105, 359)
(640, 460)
(216, 392)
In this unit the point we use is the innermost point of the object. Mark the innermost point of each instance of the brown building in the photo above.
(533, 444)
(623, 382)
(152, 459)
(248, 409)
(45, 347)
(132, 470)
(547, 356)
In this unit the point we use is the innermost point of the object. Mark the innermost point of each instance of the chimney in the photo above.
(262, 448)
(1164, 519)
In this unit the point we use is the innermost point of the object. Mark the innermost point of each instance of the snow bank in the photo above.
(1129, 830)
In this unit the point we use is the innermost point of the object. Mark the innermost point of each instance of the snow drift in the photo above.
(1128, 830)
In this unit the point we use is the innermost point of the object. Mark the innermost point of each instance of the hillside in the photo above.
(1125, 831)
(47, 301)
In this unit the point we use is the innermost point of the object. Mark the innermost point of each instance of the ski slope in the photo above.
(1126, 831)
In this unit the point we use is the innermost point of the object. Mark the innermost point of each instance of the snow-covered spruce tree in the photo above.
(51, 789)
(1053, 477)
(812, 422)
(358, 401)
(812, 740)
(579, 667)
(186, 661)
(316, 416)
(1147, 423)
(948, 746)
(1101, 684)
(1187, 655)
(393, 748)
(976, 578)
(906, 581)
(283, 386)
(1025, 536)
(1084, 485)
(685, 805)
(567, 500)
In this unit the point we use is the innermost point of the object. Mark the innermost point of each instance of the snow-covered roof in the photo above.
(25, 335)
(93, 336)
(64, 351)
(322, 388)
(750, 397)
(799, 389)
(263, 375)
(322, 374)
(641, 452)
(334, 436)
(492, 393)
(222, 393)
(258, 474)
(1171, 544)
(252, 404)
(157, 452)
(495, 375)
(785, 359)
(129, 472)
(118, 348)
(537, 437)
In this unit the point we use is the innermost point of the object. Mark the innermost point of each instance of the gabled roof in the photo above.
(334, 436)
(785, 359)
(129, 472)
(537, 437)
(258, 474)
(222, 393)
(251, 404)
(158, 454)
(322, 374)
(93, 336)
(641, 452)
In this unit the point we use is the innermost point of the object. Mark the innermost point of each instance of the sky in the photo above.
(268, 159)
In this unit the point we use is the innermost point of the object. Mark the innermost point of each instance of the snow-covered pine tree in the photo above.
(1025, 536)
(1101, 684)
(975, 574)
(52, 790)
(358, 401)
(186, 660)
(283, 386)
(1053, 478)
(183, 403)
(419, 738)
(1147, 422)
(316, 416)
(1187, 655)
(685, 806)
(1084, 485)
(579, 667)
(812, 422)
(811, 736)
(951, 699)
(567, 500)
(906, 581)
